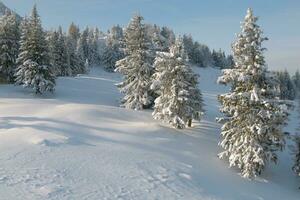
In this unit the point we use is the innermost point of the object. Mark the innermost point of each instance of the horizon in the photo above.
(212, 23)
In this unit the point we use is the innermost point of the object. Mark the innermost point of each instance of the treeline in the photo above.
(288, 86)
(73, 52)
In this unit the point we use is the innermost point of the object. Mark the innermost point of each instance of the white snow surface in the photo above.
(79, 144)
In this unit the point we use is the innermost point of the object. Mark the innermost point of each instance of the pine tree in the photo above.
(136, 66)
(9, 45)
(179, 99)
(296, 150)
(62, 61)
(72, 40)
(34, 68)
(81, 54)
(169, 37)
(112, 52)
(93, 47)
(286, 86)
(296, 80)
(296, 166)
(252, 132)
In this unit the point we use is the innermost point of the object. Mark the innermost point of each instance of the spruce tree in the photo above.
(93, 47)
(112, 53)
(179, 99)
(72, 40)
(136, 66)
(252, 129)
(296, 150)
(64, 67)
(9, 45)
(34, 68)
(296, 80)
(296, 166)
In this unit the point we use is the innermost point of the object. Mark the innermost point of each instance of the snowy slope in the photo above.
(79, 144)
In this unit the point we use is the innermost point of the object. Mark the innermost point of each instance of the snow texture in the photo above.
(79, 144)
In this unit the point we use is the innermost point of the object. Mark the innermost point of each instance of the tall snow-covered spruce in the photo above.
(9, 45)
(179, 100)
(34, 68)
(252, 129)
(136, 66)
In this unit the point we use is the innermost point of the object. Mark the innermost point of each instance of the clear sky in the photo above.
(213, 22)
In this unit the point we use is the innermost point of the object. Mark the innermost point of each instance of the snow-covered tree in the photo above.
(94, 56)
(296, 166)
(179, 100)
(286, 86)
(136, 66)
(169, 37)
(72, 40)
(296, 80)
(252, 129)
(34, 68)
(112, 52)
(9, 45)
(219, 59)
(81, 55)
(296, 149)
(58, 53)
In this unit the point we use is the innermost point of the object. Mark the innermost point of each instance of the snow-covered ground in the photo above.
(79, 144)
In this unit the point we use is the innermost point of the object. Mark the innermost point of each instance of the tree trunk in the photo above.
(190, 123)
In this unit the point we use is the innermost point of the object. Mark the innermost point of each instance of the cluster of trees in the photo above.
(254, 113)
(201, 55)
(167, 81)
(157, 73)
(32, 57)
(288, 86)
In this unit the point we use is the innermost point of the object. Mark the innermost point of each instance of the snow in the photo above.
(79, 144)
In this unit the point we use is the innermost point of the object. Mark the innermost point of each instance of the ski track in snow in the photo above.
(79, 144)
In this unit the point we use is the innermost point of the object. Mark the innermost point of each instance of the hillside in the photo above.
(79, 144)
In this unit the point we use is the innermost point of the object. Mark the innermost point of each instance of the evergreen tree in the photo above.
(112, 52)
(296, 166)
(136, 66)
(169, 37)
(81, 54)
(72, 40)
(286, 86)
(9, 45)
(179, 99)
(296, 150)
(62, 62)
(296, 80)
(34, 68)
(94, 56)
(252, 129)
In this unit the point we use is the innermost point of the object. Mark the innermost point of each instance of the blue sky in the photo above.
(213, 22)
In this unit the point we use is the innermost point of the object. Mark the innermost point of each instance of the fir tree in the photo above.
(72, 40)
(296, 150)
(93, 47)
(34, 68)
(136, 66)
(296, 166)
(112, 52)
(62, 61)
(252, 132)
(9, 45)
(179, 99)
(296, 80)
(81, 56)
